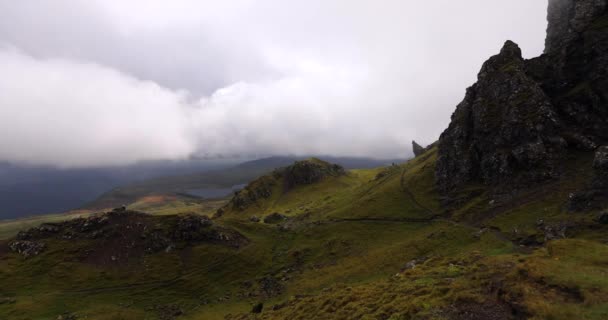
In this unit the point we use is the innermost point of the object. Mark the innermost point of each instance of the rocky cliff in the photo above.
(521, 118)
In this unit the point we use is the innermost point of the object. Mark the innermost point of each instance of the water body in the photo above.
(215, 193)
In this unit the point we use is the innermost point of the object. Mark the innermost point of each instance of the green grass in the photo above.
(341, 255)
(10, 228)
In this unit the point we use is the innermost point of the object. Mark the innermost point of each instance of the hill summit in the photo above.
(300, 173)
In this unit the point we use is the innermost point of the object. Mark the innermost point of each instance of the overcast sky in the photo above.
(108, 82)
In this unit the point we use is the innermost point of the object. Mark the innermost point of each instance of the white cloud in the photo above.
(79, 114)
(113, 82)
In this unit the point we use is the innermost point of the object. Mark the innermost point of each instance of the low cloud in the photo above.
(123, 82)
(80, 114)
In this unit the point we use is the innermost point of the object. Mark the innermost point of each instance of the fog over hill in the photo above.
(108, 82)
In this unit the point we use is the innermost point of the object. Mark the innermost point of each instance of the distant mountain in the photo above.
(220, 178)
(27, 190)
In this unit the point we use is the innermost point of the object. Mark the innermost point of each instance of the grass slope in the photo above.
(372, 244)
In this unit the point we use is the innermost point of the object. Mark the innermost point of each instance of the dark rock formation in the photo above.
(603, 218)
(418, 149)
(521, 118)
(256, 190)
(595, 196)
(568, 19)
(309, 171)
(257, 308)
(270, 287)
(504, 129)
(122, 235)
(274, 218)
(300, 173)
(600, 164)
(27, 248)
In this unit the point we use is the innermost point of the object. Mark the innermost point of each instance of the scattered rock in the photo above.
(120, 237)
(254, 219)
(189, 227)
(27, 248)
(554, 231)
(413, 263)
(67, 316)
(270, 287)
(168, 312)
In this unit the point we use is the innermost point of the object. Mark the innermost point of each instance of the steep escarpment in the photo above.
(519, 121)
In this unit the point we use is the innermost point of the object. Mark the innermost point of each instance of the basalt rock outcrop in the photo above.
(417, 149)
(121, 235)
(309, 172)
(521, 118)
(300, 173)
(594, 196)
(27, 248)
(568, 19)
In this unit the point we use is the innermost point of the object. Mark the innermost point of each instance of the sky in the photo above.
(113, 82)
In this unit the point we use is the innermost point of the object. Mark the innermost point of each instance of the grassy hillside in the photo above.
(369, 244)
(227, 177)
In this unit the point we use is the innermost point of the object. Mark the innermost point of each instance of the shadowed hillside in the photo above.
(503, 219)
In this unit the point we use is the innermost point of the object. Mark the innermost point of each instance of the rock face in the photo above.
(595, 196)
(504, 127)
(521, 118)
(568, 18)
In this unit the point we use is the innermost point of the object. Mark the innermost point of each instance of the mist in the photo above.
(104, 83)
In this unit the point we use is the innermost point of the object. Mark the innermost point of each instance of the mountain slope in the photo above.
(222, 178)
(504, 218)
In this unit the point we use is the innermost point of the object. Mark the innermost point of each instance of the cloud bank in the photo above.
(96, 83)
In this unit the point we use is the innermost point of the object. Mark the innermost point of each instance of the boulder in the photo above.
(603, 218)
(257, 308)
(274, 218)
